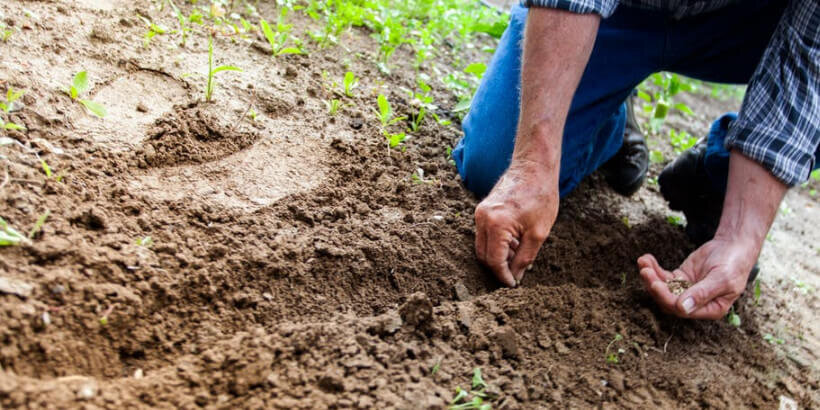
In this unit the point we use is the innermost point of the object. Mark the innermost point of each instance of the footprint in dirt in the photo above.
(133, 102)
(198, 153)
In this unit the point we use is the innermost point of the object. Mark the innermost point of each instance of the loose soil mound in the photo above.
(297, 264)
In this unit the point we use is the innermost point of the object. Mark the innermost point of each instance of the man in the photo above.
(550, 110)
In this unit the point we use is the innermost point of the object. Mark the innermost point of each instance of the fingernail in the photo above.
(689, 305)
(529, 267)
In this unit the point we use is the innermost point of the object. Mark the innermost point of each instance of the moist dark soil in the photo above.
(295, 262)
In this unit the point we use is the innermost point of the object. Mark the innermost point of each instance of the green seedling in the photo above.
(278, 39)
(385, 114)
(478, 381)
(350, 82)
(41, 220)
(614, 357)
(333, 106)
(5, 32)
(184, 28)
(675, 220)
(10, 236)
(146, 241)
(213, 71)
(252, 114)
(656, 156)
(773, 340)
(733, 318)
(79, 85)
(681, 141)
(476, 69)
(667, 86)
(11, 97)
(153, 31)
(436, 367)
(104, 317)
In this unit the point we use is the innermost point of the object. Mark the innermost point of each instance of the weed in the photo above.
(733, 318)
(278, 39)
(478, 386)
(212, 71)
(252, 114)
(46, 168)
(79, 85)
(614, 357)
(10, 236)
(666, 86)
(625, 221)
(6, 106)
(41, 220)
(350, 82)
(773, 340)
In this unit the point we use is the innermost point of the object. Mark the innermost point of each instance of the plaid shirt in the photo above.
(779, 121)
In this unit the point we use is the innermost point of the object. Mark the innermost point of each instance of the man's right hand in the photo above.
(515, 218)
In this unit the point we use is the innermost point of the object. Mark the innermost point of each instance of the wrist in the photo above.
(538, 147)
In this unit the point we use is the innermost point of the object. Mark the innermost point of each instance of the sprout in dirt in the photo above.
(6, 107)
(733, 318)
(38, 225)
(10, 236)
(350, 82)
(79, 85)
(333, 106)
(278, 39)
(146, 241)
(757, 291)
(385, 114)
(213, 71)
(153, 31)
(614, 357)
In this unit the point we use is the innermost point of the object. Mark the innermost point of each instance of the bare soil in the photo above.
(296, 263)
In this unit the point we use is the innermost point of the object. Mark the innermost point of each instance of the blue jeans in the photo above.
(722, 46)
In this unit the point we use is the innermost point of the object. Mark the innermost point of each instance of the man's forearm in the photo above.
(752, 199)
(557, 46)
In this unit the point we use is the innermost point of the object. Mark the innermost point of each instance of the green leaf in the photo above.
(79, 84)
(226, 68)
(9, 236)
(269, 34)
(478, 381)
(463, 105)
(644, 96)
(384, 109)
(95, 108)
(395, 139)
(733, 319)
(757, 290)
(46, 168)
(289, 50)
(661, 109)
(13, 126)
(683, 108)
(476, 69)
(656, 156)
(39, 224)
(73, 93)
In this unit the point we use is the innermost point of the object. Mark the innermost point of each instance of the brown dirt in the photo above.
(296, 263)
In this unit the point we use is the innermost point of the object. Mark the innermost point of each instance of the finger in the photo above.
(498, 247)
(649, 261)
(714, 310)
(480, 241)
(513, 249)
(525, 255)
(663, 297)
(701, 294)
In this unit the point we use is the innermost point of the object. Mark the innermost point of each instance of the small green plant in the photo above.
(38, 225)
(773, 340)
(656, 156)
(146, 241)
(614, 357)
(350, 82)
(46, 168)
(79, 85)
(5, 32)
(11, 97)
(675, 220)
(733, 318)
(681, 140)
(436, 367)
(478, 387)
(385, 114)
(333, 106)
(153, 31)
(213, 71)
(278, 39)
(10, 236)
(667, 86)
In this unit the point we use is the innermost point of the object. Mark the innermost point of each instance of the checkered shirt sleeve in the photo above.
(605, 8)
(779, 121)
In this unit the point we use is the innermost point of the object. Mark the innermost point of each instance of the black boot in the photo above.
(685, 185)
(626, 171)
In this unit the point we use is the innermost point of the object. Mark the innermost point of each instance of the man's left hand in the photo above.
(718, 271)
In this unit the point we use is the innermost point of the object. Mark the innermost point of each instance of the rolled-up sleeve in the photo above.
(779, 121)
(603, 7)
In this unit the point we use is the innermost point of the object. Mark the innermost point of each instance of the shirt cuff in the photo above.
(604, 8)
(789, 162)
